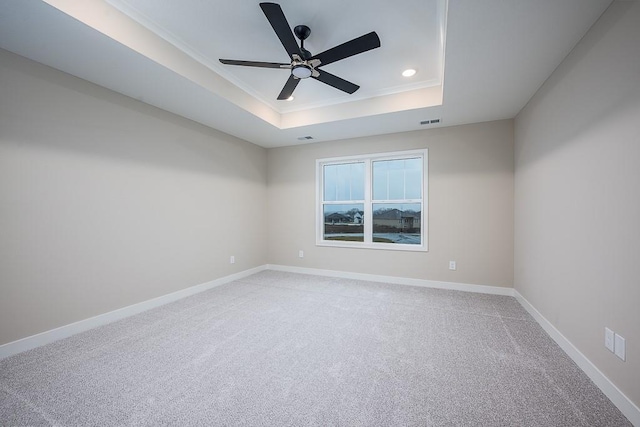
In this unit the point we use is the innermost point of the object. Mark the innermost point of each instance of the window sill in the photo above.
(375, 246)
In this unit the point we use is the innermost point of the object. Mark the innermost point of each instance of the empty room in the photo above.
(290, 213)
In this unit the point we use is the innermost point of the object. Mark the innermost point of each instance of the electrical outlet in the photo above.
(452, 265)
(232, 260)
(608, 339)
(620, 346)
(301, 254)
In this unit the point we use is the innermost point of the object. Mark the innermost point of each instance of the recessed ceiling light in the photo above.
(291, 98)
(409, 72)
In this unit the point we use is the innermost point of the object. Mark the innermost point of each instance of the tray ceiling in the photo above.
(476, 61)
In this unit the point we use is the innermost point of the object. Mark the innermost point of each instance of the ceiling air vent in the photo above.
(430, 122)
(304, 138)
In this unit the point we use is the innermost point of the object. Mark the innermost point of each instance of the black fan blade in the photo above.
(288, 88)
(255, 64)
(336, 82)
(276, 18)
(350, 48)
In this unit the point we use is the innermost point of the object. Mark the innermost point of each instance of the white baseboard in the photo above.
(465, 287)
(24, 344)
(622, 402)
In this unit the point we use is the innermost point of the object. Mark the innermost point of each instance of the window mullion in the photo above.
(368, 206)
(404, 183)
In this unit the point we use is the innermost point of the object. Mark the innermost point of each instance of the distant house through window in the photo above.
(373, 201)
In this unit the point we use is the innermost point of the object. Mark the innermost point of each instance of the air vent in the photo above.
(304, 138)
(430, 122)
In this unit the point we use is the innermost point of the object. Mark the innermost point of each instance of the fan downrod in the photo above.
(302, 32)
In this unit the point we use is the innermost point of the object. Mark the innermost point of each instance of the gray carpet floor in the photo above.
(284, 349)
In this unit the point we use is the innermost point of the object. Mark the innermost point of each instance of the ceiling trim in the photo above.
(393, 103)
(355, 98)
(104, 18)
(171, 38)
(285, 108)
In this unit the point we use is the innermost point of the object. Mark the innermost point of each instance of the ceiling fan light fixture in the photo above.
(301, 71)
(291, 98)
(410, 72)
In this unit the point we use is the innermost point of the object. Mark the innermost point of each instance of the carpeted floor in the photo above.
(284, 349)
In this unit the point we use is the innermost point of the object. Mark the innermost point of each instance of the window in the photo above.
(374, 201)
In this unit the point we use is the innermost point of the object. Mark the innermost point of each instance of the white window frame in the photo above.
(368, 160)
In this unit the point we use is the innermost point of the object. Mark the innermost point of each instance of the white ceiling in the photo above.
(477, 60)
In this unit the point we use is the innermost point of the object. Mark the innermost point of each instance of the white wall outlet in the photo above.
(232, 260)
(300, 253)
(608, 339)
(452, 265)
(620, 346)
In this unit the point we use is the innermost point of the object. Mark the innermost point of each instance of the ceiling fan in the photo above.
(303, 64)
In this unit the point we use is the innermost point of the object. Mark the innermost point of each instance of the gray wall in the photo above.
(106, 202)
(470, 206)
(577, 204)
